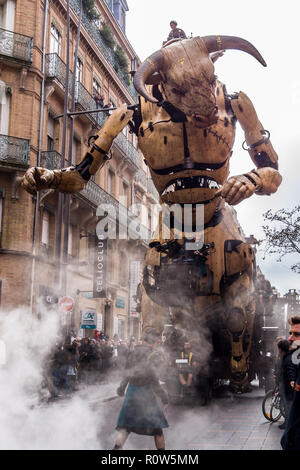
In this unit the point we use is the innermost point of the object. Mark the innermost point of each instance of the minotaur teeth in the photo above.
(188, 183)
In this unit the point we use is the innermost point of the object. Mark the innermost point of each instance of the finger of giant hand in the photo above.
(230, 187)
(235, 189)
(47, 177)
(242, 194)
(28, 181)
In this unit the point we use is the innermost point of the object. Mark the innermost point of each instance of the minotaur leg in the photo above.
(152, 313)
(239, 318)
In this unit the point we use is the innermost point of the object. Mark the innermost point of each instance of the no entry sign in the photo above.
(66, 304)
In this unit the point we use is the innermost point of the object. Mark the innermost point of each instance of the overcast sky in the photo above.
(273, 28)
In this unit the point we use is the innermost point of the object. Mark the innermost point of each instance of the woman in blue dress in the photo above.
(141, 412)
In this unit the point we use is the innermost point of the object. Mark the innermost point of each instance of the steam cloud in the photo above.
(26, 423)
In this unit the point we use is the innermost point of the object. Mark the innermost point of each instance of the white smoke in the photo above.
(25, 422)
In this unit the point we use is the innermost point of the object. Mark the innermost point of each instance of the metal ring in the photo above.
(265, 139)
(94, 137)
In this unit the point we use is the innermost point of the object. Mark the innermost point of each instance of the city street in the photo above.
(230, 423)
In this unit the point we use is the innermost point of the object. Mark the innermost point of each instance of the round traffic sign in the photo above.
(66, 304)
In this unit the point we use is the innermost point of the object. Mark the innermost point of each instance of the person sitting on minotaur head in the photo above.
(176, 32)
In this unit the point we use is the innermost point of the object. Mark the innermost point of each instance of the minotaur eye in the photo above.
(178, 92)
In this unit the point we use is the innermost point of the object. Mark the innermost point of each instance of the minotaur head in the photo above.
(185, 72)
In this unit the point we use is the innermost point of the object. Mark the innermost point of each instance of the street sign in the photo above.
(66, 304)
(88, 320)
(100, 267)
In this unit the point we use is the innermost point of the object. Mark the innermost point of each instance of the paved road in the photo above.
(233, 423)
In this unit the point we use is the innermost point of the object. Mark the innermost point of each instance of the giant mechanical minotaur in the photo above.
(185, 123)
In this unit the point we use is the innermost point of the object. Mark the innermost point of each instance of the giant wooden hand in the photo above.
(74, 179)
(265, 179)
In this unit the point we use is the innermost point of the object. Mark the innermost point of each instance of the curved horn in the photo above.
(218, 43)
(148, 68)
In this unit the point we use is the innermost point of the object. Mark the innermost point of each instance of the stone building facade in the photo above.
(38, 264)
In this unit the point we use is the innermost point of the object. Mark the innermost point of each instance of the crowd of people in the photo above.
(75, 361)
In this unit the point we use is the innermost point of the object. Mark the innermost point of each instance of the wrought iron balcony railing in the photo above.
(97, 196)
(85, 100)
(127, 148)
(15, 45)
(51, 160)
(94, 32)
(56, 68)
(14, 150)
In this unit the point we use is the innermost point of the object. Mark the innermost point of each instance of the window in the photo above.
(7, 16)
(50, 144)
(79, 66)
(96, 87)
(45, 228)
(122, 19)
(126, 193)
(75, 151)
(55, 41)
(5, 101)
(111, 182)
(70, 241)
(50, 134)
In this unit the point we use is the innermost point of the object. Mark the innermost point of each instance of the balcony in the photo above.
(14, 151)
(56, 70)
(51, 160)
(127, 149)
(97, 196)
(84, 100)
(15, 46)
(94, 32)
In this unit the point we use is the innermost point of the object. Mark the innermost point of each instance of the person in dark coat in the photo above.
(60, 370)
(287, 377)
(141, 412)
(291, 437)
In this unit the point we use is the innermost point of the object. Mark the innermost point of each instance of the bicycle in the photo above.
(272, 405)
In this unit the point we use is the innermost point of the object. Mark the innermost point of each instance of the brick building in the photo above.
(38, 262)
